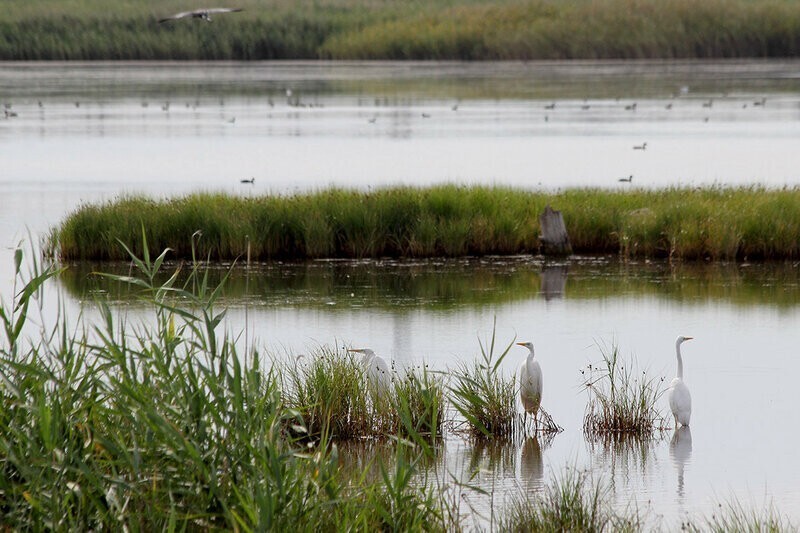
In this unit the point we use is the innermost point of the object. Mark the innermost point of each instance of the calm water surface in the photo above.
(108, 129)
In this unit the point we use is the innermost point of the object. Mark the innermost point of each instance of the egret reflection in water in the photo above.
(531, 466)
(680, 451)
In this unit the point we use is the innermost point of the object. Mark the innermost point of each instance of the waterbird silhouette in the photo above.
(251, 181)
(642, 146)
(203, 14)
(680, 401)
(530, 385)
(375, 368)
(626, 180)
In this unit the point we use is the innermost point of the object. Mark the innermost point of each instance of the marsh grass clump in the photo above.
(622, 399)
(572, 503)
(735, 516)
(327, 391)
(483, 396)
(332, 396)
(419, 406)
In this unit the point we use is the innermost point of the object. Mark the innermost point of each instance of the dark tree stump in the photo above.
(554, 238)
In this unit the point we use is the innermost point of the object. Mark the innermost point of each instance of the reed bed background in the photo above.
(164, 425)
(713, 223)
(439, 29)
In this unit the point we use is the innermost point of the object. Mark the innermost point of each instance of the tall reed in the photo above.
(164, 425)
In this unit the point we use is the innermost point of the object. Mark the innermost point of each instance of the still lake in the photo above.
(88, 132)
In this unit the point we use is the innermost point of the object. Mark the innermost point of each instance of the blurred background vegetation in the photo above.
(382, 29)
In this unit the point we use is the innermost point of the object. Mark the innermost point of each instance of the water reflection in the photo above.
(624, 455)
(554, 281)
(401, 286)
(680, 450)
(531, 466)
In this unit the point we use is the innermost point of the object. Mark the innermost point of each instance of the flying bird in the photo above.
(204, 14)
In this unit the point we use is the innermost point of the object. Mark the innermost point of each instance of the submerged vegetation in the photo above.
(448, 220)
(167, 425)
(440, 29)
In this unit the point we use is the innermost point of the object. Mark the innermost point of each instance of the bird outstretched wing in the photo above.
(213, 10)
(176, 16)
(201, 13)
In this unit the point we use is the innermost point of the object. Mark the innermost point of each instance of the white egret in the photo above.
(680, 401)
(530, 384)
(203, 14)
(375, 367)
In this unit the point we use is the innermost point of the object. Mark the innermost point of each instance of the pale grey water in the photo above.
(743, 364)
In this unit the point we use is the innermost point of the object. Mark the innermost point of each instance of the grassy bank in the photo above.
(440, 29)
(714, 223)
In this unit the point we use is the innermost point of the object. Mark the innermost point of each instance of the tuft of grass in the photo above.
(483, 396)
(332, 398)
(327, 392)
(419, 405)
(622, 399)
(734, 516)
(572, 503)
(447, 220)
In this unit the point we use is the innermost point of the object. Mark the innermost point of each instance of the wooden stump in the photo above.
(554, 238)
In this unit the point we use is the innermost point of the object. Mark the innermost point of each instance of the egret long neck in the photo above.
(680, 360)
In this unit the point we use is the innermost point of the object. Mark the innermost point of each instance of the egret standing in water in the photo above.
(530, 385)
(680, 401)
(375, 367)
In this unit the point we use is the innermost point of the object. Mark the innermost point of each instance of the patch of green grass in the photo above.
(622, 398)
(447, 220)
